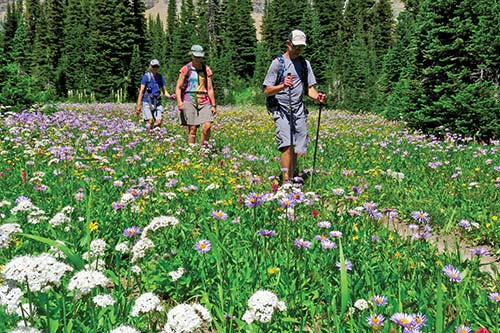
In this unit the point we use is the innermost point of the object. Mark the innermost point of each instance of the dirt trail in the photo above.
(448, 243)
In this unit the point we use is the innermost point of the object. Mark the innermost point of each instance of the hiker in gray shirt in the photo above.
(290, 78)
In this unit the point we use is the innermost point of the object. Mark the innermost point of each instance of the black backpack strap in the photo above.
(304, 75)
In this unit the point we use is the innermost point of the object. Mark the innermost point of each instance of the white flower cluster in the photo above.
(62, 217)
(5, 203)
(124, 329)
(84, 281)
(10, 298)
(159, 222)
(122, 247)
(362, 304)
(97, 248)
(140, 248)
(103, 300)
(127, 199)
(24, 329)
(35, 214)
(5, 231)
(40, 272)
(54, 250)
(145, 303)
(186, 318)
(399, 176)
(176, 275)
(261, 307)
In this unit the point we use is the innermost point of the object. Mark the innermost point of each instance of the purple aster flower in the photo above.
(379, 300)
(132, 231)
(302, 243)
(336, 234)
(354, 212)
(117, 205)
(298, 196)
(494, 296)
(22, 198)
(253, 200)
(375, 238)
(219, 215)
(357, 190)
(369, 206)
(421, 217)
(419, 320)
(402, 319)
(266, 233)
(391, 213)
(203, 246)
(40, 187)
(480, 251)
(118, 183)
(338, 191)
(324, 224)
(348, 265)
(453, 273)
(237, 220)
(320, 238)
(465, 224)
(328, 244)
(287, 202)
(376, 321)
(463, 329)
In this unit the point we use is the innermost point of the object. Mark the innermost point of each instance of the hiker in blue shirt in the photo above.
(289, 79)
(149, 100)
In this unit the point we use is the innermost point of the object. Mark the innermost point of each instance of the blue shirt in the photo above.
(153, 85)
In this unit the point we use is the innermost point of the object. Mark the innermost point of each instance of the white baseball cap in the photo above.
(297, 37)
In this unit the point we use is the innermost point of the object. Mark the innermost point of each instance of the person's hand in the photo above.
(172, 97)
(180, 106)
(214, 110)
(288, 82)
(138, 110)
(321, 98)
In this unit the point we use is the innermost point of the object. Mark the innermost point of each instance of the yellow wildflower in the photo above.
(93, 226)
(273, 270)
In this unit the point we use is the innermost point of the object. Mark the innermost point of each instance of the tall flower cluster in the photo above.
(62, 217)
(145, 303)
(139, 249)
(35, 215)
(84, 281)
(186, 318)
(158, 223)
(10, 298)
(39, 272)
(6, 230)
(261, 306)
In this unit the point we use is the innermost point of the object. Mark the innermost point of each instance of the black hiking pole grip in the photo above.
(316, 141)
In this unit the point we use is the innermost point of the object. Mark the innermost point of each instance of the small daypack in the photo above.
(188, 74)
(271, 101)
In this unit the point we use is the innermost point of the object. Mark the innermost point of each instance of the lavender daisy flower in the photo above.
(287, 202)
(336, 234)
(266, 233)
(494, 296)
(379, 300)
(375, 238)
(219, 215)
(328, 244)
(465, 224)
(480, 251)
(203, 246)
(419, 320)
(324, 224)
(391, 213)
(302, 243)
(132, 231)
(376, 321)
(421, 216)
(338, 191)
(348, 265)
(369, 206)
(453, 273)
(402, 319)
(253, 200)
(463, 329)
(22, 198)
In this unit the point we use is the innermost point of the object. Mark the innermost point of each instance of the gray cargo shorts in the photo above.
(299, 131)
(147, 114)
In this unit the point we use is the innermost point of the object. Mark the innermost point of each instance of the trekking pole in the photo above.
(316, 141)
(290, 111)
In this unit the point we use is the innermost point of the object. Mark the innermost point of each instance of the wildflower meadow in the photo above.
(105, 227)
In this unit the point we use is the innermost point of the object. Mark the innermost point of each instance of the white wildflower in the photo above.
(160, 222)
(212, 187)
(97, 247)
(361, 304)
(135, 269)
(84, 281)
(122, 247)
(25, 329)
(26, 310)
(145, 303)
(170, 174)
(6, 230)
(4, 203)
(261, 307)
(103, 300)
(10, 298)
(176, 275)
(186, 318)
(124, 329)
(140, 248)
(40, 272)
(56, 252)
(62, 217)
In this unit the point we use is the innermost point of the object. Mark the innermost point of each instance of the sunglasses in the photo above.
(156, 66)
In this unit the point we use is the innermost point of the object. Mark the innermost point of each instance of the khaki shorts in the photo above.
(284, 136)
(147, 114)
(195, 114)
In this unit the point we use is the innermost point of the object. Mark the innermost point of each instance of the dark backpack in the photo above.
(272, 101)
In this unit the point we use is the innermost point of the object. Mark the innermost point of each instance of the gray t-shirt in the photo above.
(293, 66)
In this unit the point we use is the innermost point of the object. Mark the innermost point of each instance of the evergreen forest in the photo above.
(436, 66)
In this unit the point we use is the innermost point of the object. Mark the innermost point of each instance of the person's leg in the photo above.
(205, 134)
(158, 116)
(288, 162)
(192, 134)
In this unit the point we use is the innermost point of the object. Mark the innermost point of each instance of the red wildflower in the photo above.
(482, 330)
(314, 213)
